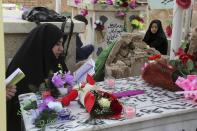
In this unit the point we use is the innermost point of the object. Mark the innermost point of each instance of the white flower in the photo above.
(104, 102)
(57, 106)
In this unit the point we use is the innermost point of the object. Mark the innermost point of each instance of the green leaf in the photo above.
(194, 71)
(183, 45)
(173, 62)
(31, 105)
(190, 65)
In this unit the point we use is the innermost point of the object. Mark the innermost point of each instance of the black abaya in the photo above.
(35, 58)
(158, 40)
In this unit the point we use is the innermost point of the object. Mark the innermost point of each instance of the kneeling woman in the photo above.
(40, 53)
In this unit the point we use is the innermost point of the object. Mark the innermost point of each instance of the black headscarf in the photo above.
(157, 40)
(36, 59)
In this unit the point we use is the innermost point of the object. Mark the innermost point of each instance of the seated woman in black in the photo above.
(82, 51)
(39, 54)
(156, 38)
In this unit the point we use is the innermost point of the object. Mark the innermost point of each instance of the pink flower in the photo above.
(94, 1)
(132, 4)
(109, 2)
(77, 2)
(120, 14)
(84, 12)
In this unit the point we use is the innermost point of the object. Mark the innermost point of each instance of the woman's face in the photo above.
(154, 28)
(58, 48)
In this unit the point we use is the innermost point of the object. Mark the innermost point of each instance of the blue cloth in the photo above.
(82, 52)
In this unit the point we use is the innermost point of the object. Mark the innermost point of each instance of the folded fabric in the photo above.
(128, 93)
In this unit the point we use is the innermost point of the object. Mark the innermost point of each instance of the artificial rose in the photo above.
(73, 94)
(184, 58)
(116, 107)
(84, 12)
(169, 31)
(154, 57)
(185, 4)
(104, 102)
(65, 101)
(77, 2)
(46, 94)
(109, 2)
(94, 1)
(125, 4)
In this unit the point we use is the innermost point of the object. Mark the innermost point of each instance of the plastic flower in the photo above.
(109, 2)
(68, 78)
(135, 22)
(58, 81)
(42, 107)
(154, 57)
(77, 1)
(84, 12)
(141, 25)
(48, 99)
(132, 4)
(94, 1)
(169, 30)
(116, 107)
(120, 14)
(55, 105)
(104, 102)
(99, 26)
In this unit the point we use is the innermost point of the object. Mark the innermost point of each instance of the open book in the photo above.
(15, 77)
(87, 68)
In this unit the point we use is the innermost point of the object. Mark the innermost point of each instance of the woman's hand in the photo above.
(10, 92)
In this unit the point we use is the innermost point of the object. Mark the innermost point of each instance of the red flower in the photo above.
(90, 79)
(65, 101)
(125, 4)
(116, 107)
(83, 84)
(46, 94)
(108, 95)
(154, 57)
(73, 94)
(185, 57)
(180, 52)
(185, 4)
(99, 27)
(169, 31)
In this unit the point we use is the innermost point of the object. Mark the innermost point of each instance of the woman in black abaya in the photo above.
(39, 54)
(156, 38)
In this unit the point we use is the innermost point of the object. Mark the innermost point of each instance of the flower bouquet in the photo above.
(44, 112)
(99, 104)
(189, 85)
(58, 83)
(136, 22)
(63, 81)
(167, 72)
(159, 73)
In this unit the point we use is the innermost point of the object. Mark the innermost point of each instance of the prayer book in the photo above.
(15, 77)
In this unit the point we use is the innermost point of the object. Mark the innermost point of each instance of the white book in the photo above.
(14, 78)
(87, 68)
